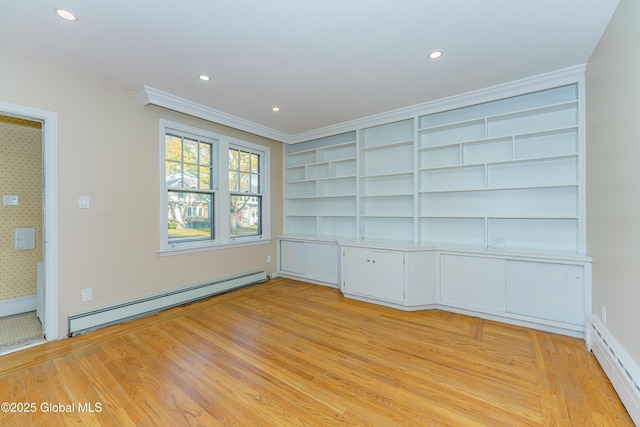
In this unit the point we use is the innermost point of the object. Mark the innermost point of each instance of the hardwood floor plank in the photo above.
(288, 353)
(217, 370)
(396, 348)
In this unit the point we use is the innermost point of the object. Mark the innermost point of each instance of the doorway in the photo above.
(28, 225)
(21, 226)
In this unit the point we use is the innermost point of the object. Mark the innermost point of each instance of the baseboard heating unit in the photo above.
(93, 319)
(622, 371)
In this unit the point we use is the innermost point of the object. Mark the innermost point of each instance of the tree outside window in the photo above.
(196, 212)
(188, 172)
(245, 193)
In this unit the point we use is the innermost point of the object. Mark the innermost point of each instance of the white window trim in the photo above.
(264, 185)
(222, 239)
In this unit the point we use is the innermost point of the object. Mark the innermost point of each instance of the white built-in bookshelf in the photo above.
(503, 173)
(386, 190)
(474, 206)
(320, 186)
(507, 173)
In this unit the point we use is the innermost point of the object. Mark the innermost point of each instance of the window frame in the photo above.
(221, 210)
(238, 192)
(211, 192)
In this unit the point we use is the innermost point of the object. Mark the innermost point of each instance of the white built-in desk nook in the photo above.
(474, 204)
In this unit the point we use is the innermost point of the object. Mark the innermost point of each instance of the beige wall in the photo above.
(613, 175)
(108, 148)
(20, 175)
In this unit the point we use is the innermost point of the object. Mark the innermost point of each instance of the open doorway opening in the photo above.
(28, 226)
(21, 232)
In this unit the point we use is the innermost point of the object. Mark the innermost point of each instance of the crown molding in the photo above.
(561, 77)
(148, 95)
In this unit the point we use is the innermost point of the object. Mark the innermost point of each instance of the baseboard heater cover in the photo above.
(622, 371)
(93, 319)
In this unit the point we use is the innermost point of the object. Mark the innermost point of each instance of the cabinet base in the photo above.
(553, 327)
(308, 279)
(389, 303)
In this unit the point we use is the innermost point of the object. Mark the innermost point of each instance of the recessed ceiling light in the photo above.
(204, 78)
(66, 15)
(275, 109)
(435, 54)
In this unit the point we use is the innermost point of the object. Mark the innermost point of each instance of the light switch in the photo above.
(85, 202)
(87, 294)
(10, 200)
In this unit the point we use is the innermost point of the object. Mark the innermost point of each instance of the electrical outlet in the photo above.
(268, 259)
(604, 314)
(87, 294)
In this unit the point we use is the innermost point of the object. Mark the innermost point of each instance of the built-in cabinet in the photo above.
(472, 282)
(315, 261)
(553, 291)
(543, 291)
(472, 206)
(547, 291)
(388, 273)
(374, 273)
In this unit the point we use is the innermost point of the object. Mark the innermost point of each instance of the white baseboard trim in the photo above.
(93, 319)
(13, 306)
(621, 369)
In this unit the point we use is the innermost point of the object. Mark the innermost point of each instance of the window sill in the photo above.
(206, 248)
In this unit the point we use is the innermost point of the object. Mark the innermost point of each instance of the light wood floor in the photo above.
(289, 353)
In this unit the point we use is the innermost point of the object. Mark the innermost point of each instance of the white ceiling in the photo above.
(322, 62)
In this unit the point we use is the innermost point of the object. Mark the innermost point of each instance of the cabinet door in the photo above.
(356, 271)
(292, 256)
(321, 261)
(375, 274)
(546, 291)
(388, 275)
(472, 282)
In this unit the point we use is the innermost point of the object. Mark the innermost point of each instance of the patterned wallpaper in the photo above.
(20, 175)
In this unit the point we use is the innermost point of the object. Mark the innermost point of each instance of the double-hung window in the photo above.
(190, 189)
(245, 193)
(214, 190)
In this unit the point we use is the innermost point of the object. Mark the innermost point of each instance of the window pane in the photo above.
(190, 151)
(255, 187)
(245, 161)
(173, 148)
(245, 182)
(245, 219)
(233, 160)
(205, 154)
(255, 163)
(190, 176)
(205, 178)
(173, 172)
(233, 181)
(189, 216)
